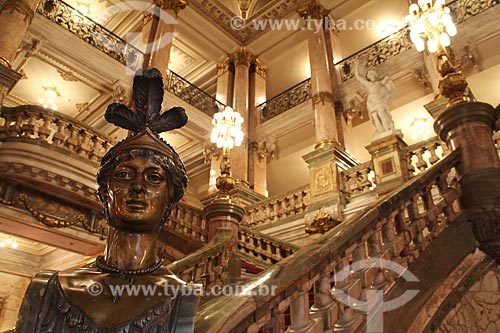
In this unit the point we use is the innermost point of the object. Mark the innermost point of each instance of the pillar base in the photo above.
(8, 78)
(325, 164)
(389, 162)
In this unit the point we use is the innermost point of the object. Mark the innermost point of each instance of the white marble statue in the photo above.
(381, 91)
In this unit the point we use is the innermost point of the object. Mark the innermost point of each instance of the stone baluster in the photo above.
(17, 128)
(45, 131)
(376, 249)
(301, 322)
(73, 140)
(432, 150)
(60, 136)
(6, 127)
(325, 307)
(29, 128)
(350, 319)
(409, 161)
(421, 164)
(85, 146)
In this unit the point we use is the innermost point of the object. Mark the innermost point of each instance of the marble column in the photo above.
(325, 122)
(344, 128)
(258, 152)
(16, 16)
(329, 158)
(158, 32)
(239, 155)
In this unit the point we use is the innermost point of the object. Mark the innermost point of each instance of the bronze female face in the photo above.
(137, 195)
(139, 187)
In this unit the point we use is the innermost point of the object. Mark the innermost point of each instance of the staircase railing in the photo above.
(359, 179)
(398, 228)
(262, 247)
(278, 207)
(422, 155)
(206, 265)
(51, 128)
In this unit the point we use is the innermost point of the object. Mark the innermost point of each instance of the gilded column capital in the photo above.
(313, 10)
(260, 68)
(20, 6)
(175, 5)
(242, 57)
(223, 66)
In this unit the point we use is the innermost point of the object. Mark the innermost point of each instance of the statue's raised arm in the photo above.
(381, 91)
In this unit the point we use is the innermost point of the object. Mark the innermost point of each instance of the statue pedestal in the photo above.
(325, 164)
(389, 161)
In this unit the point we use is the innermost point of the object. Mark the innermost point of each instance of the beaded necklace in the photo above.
(105, 268)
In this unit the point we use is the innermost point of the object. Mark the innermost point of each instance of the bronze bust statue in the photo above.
(140, 180)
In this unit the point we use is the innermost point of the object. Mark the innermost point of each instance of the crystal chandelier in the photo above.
(430, 21)
(226, 134)
(9, 242)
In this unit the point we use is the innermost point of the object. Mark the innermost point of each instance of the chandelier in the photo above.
(227, 132)
(430, 21)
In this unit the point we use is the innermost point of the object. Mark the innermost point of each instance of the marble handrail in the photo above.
(422, 155)
(398, 228)
(262, 247)
(49, 127)
(359, 179)
(277, 207)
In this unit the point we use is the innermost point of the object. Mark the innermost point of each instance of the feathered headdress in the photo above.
(146, 122)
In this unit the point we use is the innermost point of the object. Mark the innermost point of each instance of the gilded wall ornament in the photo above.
(223, 66)
(242, 57)
(175, 5)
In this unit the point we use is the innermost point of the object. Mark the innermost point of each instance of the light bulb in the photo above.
(413, 9)
(50, 93)
(419, 44)
(432, 45)
(41, 100)
(438, 4)
(220, 142)
(444, 39)
(2, 244)
(14, 245)
(451, 29)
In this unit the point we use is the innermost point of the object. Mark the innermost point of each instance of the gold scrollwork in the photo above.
(175, 5)
(53, 221)
(242, 57)
(260, 68)
(223, 66)
(322, 223)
